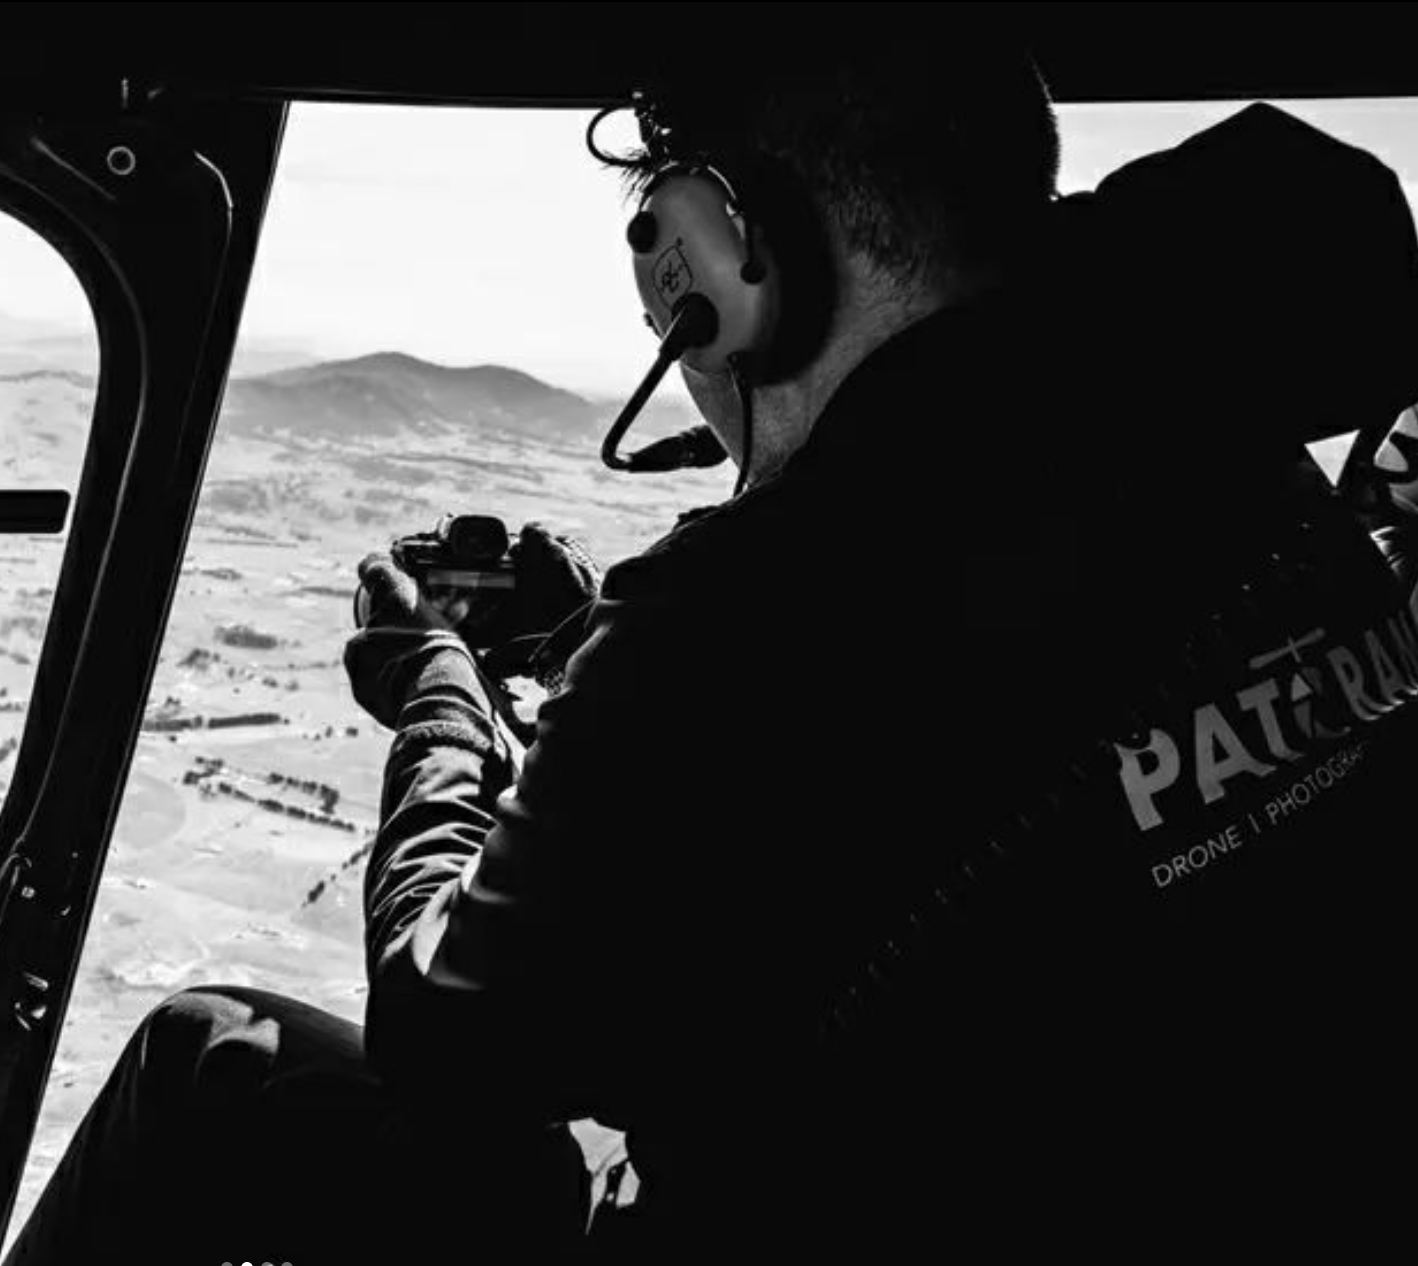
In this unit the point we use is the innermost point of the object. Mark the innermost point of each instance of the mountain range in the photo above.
(374, 440)
(377, 398)
(278, 388)
(386, 392)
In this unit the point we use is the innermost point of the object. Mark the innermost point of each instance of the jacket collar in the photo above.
(939, 359)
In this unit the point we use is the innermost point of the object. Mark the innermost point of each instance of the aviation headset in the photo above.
(732, 266)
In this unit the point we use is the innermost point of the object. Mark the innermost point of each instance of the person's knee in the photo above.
(203, 1047)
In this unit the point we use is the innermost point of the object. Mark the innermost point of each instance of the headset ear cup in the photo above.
(701, 246)
(801, 258)
(756, 248)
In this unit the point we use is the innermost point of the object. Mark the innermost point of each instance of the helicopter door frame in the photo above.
(158, 208)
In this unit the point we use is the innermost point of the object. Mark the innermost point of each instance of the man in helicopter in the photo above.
(704, 927)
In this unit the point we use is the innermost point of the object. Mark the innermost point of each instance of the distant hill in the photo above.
(44, 421)
(266, 356)
(385, 393)
(388, 392)
(49, 381)
(27, 345)
(66, 352)
(14, 328)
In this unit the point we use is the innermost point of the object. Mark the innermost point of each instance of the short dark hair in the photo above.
(922, 156)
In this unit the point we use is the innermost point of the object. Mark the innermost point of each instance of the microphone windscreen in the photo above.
(696, 447)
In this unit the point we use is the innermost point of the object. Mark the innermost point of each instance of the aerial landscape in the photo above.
(253, 796)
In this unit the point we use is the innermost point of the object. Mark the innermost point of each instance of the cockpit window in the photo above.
(48, 376)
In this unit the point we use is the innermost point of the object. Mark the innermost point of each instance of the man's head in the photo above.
(920, 157)
(892, 176)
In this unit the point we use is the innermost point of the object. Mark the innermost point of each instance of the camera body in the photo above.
(464, 551)
(464, 567)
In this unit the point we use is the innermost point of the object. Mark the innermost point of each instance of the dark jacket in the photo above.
(901, 706)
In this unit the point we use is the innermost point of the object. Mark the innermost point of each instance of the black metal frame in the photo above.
(196, 193)
(569, 52)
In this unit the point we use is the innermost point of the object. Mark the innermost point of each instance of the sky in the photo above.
(473, 236)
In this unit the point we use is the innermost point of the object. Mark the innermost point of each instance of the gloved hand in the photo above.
(556, 578)
(402, 635)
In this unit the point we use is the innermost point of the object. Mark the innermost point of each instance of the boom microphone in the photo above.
(695, 323)
(696, 447)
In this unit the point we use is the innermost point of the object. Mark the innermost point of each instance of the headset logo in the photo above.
(673, 275)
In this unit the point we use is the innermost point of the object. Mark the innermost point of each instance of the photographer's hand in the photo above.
(556, 578)
(402, 634)
(393, 597)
